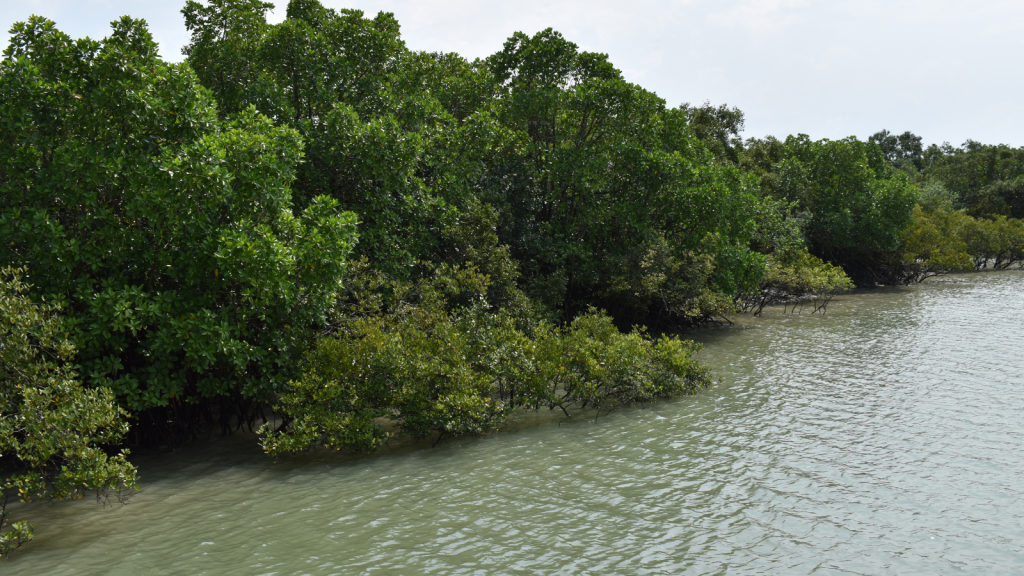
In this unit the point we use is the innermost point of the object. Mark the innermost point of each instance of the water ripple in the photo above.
(884, 438)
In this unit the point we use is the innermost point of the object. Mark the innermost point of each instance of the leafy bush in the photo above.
(938, 242)
(795, 275)
(1007, 246)
(541, 154)
(943, 240)
(589, 363)
(436, 360)
(51, 428)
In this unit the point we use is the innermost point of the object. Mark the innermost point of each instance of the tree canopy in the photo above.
(856, 203)
(167, 232)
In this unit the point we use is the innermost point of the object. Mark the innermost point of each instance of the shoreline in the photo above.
(525, 418)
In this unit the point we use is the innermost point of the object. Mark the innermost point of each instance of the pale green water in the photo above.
(883, 438)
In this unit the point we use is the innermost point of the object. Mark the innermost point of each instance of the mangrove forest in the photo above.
(310, 231)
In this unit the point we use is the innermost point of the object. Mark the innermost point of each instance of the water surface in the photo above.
(883, 438)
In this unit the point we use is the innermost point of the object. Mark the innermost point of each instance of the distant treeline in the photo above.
(310, 226)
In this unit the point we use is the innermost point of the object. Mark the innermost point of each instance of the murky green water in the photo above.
(883, 438)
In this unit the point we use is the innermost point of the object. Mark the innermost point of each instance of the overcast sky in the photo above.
(946, 70)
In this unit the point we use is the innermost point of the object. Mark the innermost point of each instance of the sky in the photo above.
(946, 70)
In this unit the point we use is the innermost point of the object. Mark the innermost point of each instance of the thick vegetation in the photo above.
(969, 200)
(436, 358)
(856, 204)
(52, 429)
(167, 232)
(309, 227)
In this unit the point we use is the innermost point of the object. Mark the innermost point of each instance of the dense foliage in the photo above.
(856, 204)
(51, 428)
(970, 201)
(943, 240)
(434, 359)
(308, 225)
(982, 179)
(604, 161)
(793, 276)
(531, 165)
(166, 231)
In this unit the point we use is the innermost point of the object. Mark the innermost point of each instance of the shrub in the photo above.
(437, 360)
(793, 275)
(51, 428)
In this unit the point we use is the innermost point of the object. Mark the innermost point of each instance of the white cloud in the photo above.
(761, 19)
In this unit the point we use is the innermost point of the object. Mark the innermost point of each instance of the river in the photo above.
(885, 437)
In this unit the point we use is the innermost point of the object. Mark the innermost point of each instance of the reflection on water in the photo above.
(883, 438)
